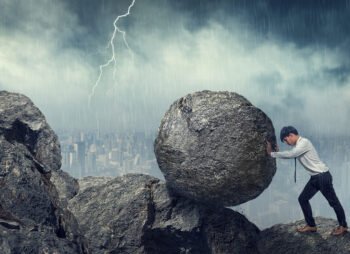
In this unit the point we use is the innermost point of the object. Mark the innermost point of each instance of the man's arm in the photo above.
(298, 150)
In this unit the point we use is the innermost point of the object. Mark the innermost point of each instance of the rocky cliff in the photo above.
(32, 218)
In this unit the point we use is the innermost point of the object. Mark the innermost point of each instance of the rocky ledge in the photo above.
(135, 214)
(283, 239)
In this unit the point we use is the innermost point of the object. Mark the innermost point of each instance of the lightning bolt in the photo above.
(111, 44)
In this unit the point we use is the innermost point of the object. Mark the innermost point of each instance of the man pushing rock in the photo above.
(320, 180)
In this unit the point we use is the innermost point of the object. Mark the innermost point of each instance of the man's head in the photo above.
(289, 135)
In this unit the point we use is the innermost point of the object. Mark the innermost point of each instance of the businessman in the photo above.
(320, 178)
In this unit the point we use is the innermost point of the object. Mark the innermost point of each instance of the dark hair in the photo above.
(285, 131)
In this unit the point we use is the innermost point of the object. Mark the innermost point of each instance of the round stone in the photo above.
(211, 147)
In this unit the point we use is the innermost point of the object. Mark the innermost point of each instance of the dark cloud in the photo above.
(340, 74)
(302, 22)
(96, 16)
(307, 23)
(287, 57)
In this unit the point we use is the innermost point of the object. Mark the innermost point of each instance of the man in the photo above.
(320, 180)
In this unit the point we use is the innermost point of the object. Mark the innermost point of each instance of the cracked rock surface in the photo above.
(66, 185)
(32, 218)
(23, 123)
(211, 147)
(135, 214)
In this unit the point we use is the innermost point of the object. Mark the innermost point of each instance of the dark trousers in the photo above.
(321, 182)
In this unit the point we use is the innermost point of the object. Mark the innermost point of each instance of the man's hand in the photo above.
(275, 148)
(268, 148)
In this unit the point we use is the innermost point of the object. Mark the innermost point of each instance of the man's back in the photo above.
(310, 159)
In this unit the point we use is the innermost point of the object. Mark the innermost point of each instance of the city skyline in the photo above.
(107, 154)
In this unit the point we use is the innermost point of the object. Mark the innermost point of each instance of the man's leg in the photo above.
(327, 190)
(308, 192)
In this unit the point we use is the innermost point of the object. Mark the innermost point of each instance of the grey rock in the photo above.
(40, 241)
(30, 202)
(91, 181)
(211, 147)
(135, 214)
(283, 239)
(22, 122)
(66, 185)
(32, 218)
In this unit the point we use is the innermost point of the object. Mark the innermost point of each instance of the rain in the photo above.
(289, 58)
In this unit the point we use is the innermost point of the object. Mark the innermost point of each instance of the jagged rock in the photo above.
(34, 241)
(211, 147)
(66, 185)
(283, 239)
(90, 181)
(135, 214)
(29, 200)
(32, 218)
(23, 123)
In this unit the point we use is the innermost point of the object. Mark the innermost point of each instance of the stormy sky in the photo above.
(290, 58)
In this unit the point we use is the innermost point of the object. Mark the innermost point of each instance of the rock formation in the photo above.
(282, 239)
(211, 147)
(91, 181)
(66, 185)
(22, 122)
(32, 219)
(135, 214)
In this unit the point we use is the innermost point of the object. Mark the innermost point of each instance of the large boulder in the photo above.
(32, 218)
(211, 147)
(283, 239)
(135, 214)
(23, 123)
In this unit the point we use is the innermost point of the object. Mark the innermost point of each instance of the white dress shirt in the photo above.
(306, 154)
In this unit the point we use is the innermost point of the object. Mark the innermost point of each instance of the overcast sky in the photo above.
(290, 58)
